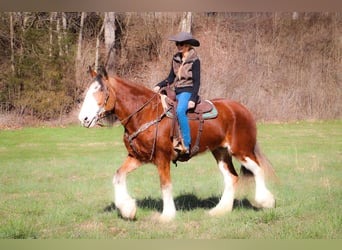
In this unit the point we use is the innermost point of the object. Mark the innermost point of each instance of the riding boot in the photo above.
(183, 153)
(179, 146)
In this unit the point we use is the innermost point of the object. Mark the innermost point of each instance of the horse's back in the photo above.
(239, 122)
(234, 108)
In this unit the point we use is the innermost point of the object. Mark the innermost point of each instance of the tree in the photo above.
(109, 37)
(53, 16)
(12, 42)
(80, 39)
(186, 22)
(97, 52)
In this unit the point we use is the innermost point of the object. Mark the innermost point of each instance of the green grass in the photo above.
(57, 183)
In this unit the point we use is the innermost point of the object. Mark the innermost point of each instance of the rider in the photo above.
(185, 74)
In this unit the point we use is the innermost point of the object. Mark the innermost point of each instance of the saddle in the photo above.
(203, 110)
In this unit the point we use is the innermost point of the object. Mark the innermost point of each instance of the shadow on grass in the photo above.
(186, 202)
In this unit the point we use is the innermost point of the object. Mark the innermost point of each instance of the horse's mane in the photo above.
(134, 86)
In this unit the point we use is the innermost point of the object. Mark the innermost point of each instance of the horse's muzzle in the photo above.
(87, 122)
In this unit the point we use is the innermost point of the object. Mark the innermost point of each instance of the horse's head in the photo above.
(99, 99)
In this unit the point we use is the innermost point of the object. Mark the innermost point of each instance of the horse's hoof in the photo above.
(129, 210)
(267, 202)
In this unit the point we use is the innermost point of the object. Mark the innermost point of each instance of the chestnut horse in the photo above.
(147, 139)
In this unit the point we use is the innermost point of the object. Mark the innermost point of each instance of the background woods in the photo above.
(283, 66)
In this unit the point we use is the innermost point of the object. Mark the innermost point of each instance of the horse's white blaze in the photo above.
(227, 199)
(90, 107)
(169, 209)
(262, 195)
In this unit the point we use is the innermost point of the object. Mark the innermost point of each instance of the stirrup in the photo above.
(181, 156)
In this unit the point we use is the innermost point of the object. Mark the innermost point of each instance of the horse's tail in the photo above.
(264, 163)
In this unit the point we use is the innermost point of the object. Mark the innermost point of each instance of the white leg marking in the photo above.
(169, 209)
(227, 199)
(263, 196)
(122, 200)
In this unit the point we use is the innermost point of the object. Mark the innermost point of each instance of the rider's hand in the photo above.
(191, 104)
(156, 89)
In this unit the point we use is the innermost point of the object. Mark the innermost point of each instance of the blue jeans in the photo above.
(183, 100)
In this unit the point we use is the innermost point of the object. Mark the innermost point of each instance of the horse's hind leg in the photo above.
(230, 177)
(126, 205)
(263, 196)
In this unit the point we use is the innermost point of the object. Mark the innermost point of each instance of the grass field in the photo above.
(56, 183)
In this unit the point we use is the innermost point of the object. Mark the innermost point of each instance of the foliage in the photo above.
(282, 68)
(57, 184)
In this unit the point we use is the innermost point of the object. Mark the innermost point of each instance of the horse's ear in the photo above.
(103, 72)
(91, 71)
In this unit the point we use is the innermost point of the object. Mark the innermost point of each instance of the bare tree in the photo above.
(59, 35)
(80, 38)
(12, 41)
(186, 22)
(109, 36)
(295, 15)
(53, 16)
(97, 53)
(79, 51)
(64, 25)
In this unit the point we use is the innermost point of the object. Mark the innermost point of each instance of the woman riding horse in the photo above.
(185, 74)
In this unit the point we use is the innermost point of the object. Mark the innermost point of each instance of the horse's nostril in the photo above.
(85, 118)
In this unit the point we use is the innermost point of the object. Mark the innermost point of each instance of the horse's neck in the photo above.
(130, 98)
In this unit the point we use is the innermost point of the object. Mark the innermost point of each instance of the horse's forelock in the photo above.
(99, 78)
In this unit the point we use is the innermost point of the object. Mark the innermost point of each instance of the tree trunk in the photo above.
(295, 15)
(186, 22)
(109, 36)
(64, 25)
(97, 53)
(12, 42)
(78, 68)
(59, 36)
(52, 19)
(80, 38)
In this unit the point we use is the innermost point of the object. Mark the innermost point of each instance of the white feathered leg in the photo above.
(263, 197)
(123, 201)
(227, 200)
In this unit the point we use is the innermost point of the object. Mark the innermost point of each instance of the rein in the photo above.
(139, 109)
(145, 126)
(103, 113)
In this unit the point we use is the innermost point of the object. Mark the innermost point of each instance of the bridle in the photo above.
(102, 112)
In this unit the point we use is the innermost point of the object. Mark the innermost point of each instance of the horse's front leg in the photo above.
(126, 205)
(169, 209)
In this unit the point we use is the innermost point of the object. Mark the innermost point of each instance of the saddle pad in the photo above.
(212, 113)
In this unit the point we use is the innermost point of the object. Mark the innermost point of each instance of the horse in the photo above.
(146, 137)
